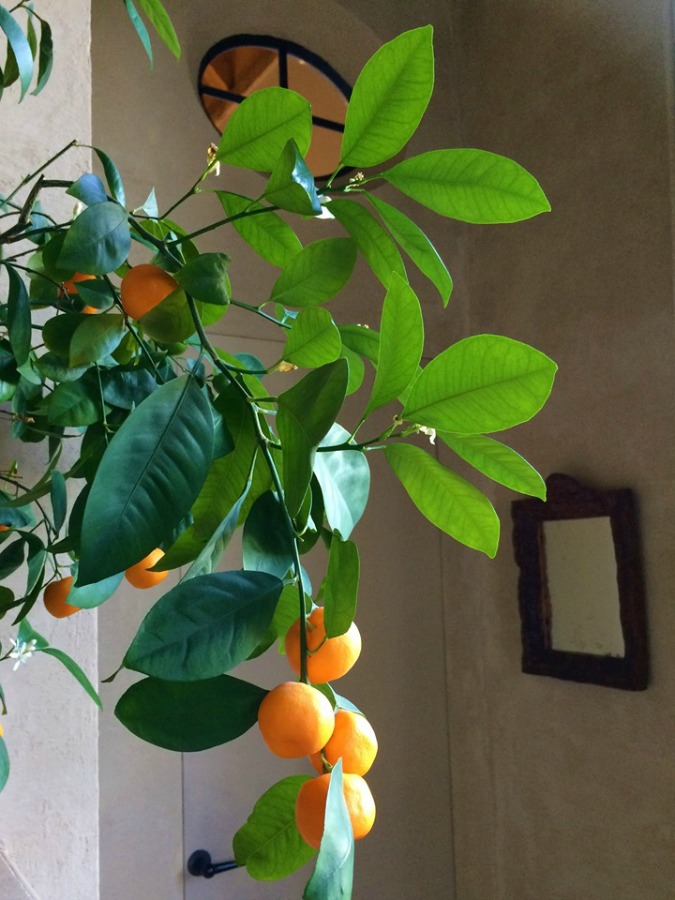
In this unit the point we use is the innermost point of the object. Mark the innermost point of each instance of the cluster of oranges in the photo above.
(296, 719)
(142, 288)
(56, 593)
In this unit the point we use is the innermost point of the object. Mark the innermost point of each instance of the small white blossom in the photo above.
(22, 652)
(431, 432)
(325, 212)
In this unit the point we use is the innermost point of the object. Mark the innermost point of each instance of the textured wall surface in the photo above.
(49, 810)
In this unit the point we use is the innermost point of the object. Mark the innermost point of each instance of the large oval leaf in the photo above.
(262, 125)
(483, 383)
(446, 500)
(147, 480)
(267, 540)
(190, 716)
(316, 274)
(470, 185)
(498, 462)
(344, 477)
(378, 249)
(98, 241)
(389, 99)
(269, 844)
(204, 626)
(313, 339)
(266, 233)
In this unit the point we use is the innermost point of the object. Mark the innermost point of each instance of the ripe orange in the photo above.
(69, 284)
(295, 719)
(310, 807)
(353, 740)
(143, 287)
(328, 658)
(138, 574)
(55, 595)
(4, 527)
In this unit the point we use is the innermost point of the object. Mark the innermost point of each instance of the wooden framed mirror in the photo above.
(580, 590)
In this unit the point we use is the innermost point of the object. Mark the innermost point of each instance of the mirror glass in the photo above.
(583, 588)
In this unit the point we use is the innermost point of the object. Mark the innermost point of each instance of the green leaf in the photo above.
(11, 558)
(89, 189)
(45, 57)
(262, 125)
(126, 388)
(35, 563)
(95, 338)
(334, 872)
(18, 317)
(4, 764)
(313, 339)
(190, 716)
(291, 185)
(483, 383)
(204, 626)
(267, 538)
(341, 586)
(147, 480)
(416, 244)
(401, 344)
(162, 24)
(469, 185)
(206, 278)
(269, 844)
(305, 415)
(379, 250)
(20, 48)
(446, 500)
(75, 403)
(357, 369)
(271, 238)
(316, 274)
(362, 340)
(389, 99)
(112, 176)
(344, 477)
(59, 499)
(92, 595)
(98, 241)
(140, 28)
(212, 550)
(75, 671)
(58, 332)
(498, 462)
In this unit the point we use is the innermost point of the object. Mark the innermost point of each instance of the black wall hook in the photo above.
(200, 864)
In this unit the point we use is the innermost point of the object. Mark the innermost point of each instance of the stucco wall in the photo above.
(49, 809)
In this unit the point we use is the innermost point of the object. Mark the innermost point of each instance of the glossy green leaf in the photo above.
(291, 185)
(20, 47)
(357, 369)
(190, 716)
(206, 278)
(401, 344)
(148, 479)
(4, 764)
(262, 125)
(306, 413)
(269, 843)
(112, 176)
(98, 241)
(11, 558)
(92, 595)
(470, 185)
(483, 383)
(18, 317)
(35, 560)
(313, 339)
(45, 56)
(341, 586)
(126, 388)
(272, 238)
(344, 477)
(267, 538)
(162, 24)
(57, 333)
(416, 244)
(170, 321)
(446, 500)
(316, 274)
(95, 337)
(75, 403)
(139, 26)
(380, 252)
(89, 189)
(334, 872)
(75, 670)
(389, 99)
(59, 499)
(498, 462)
(204, 626)
(361, 339)
(211, 551)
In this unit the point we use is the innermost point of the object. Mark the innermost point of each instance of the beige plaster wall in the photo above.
(565, 791)
(49, 810)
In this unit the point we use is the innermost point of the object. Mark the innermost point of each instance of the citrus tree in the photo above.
(181, 443)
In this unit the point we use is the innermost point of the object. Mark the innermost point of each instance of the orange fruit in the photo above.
(69, 284)
(55, 595)
(310, 807)
(328, 658)
(295, 719)
(4, 527)
(138, 574)
(143, 287)
(353, 740)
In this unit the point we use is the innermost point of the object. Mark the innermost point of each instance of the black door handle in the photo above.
(200, 864)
